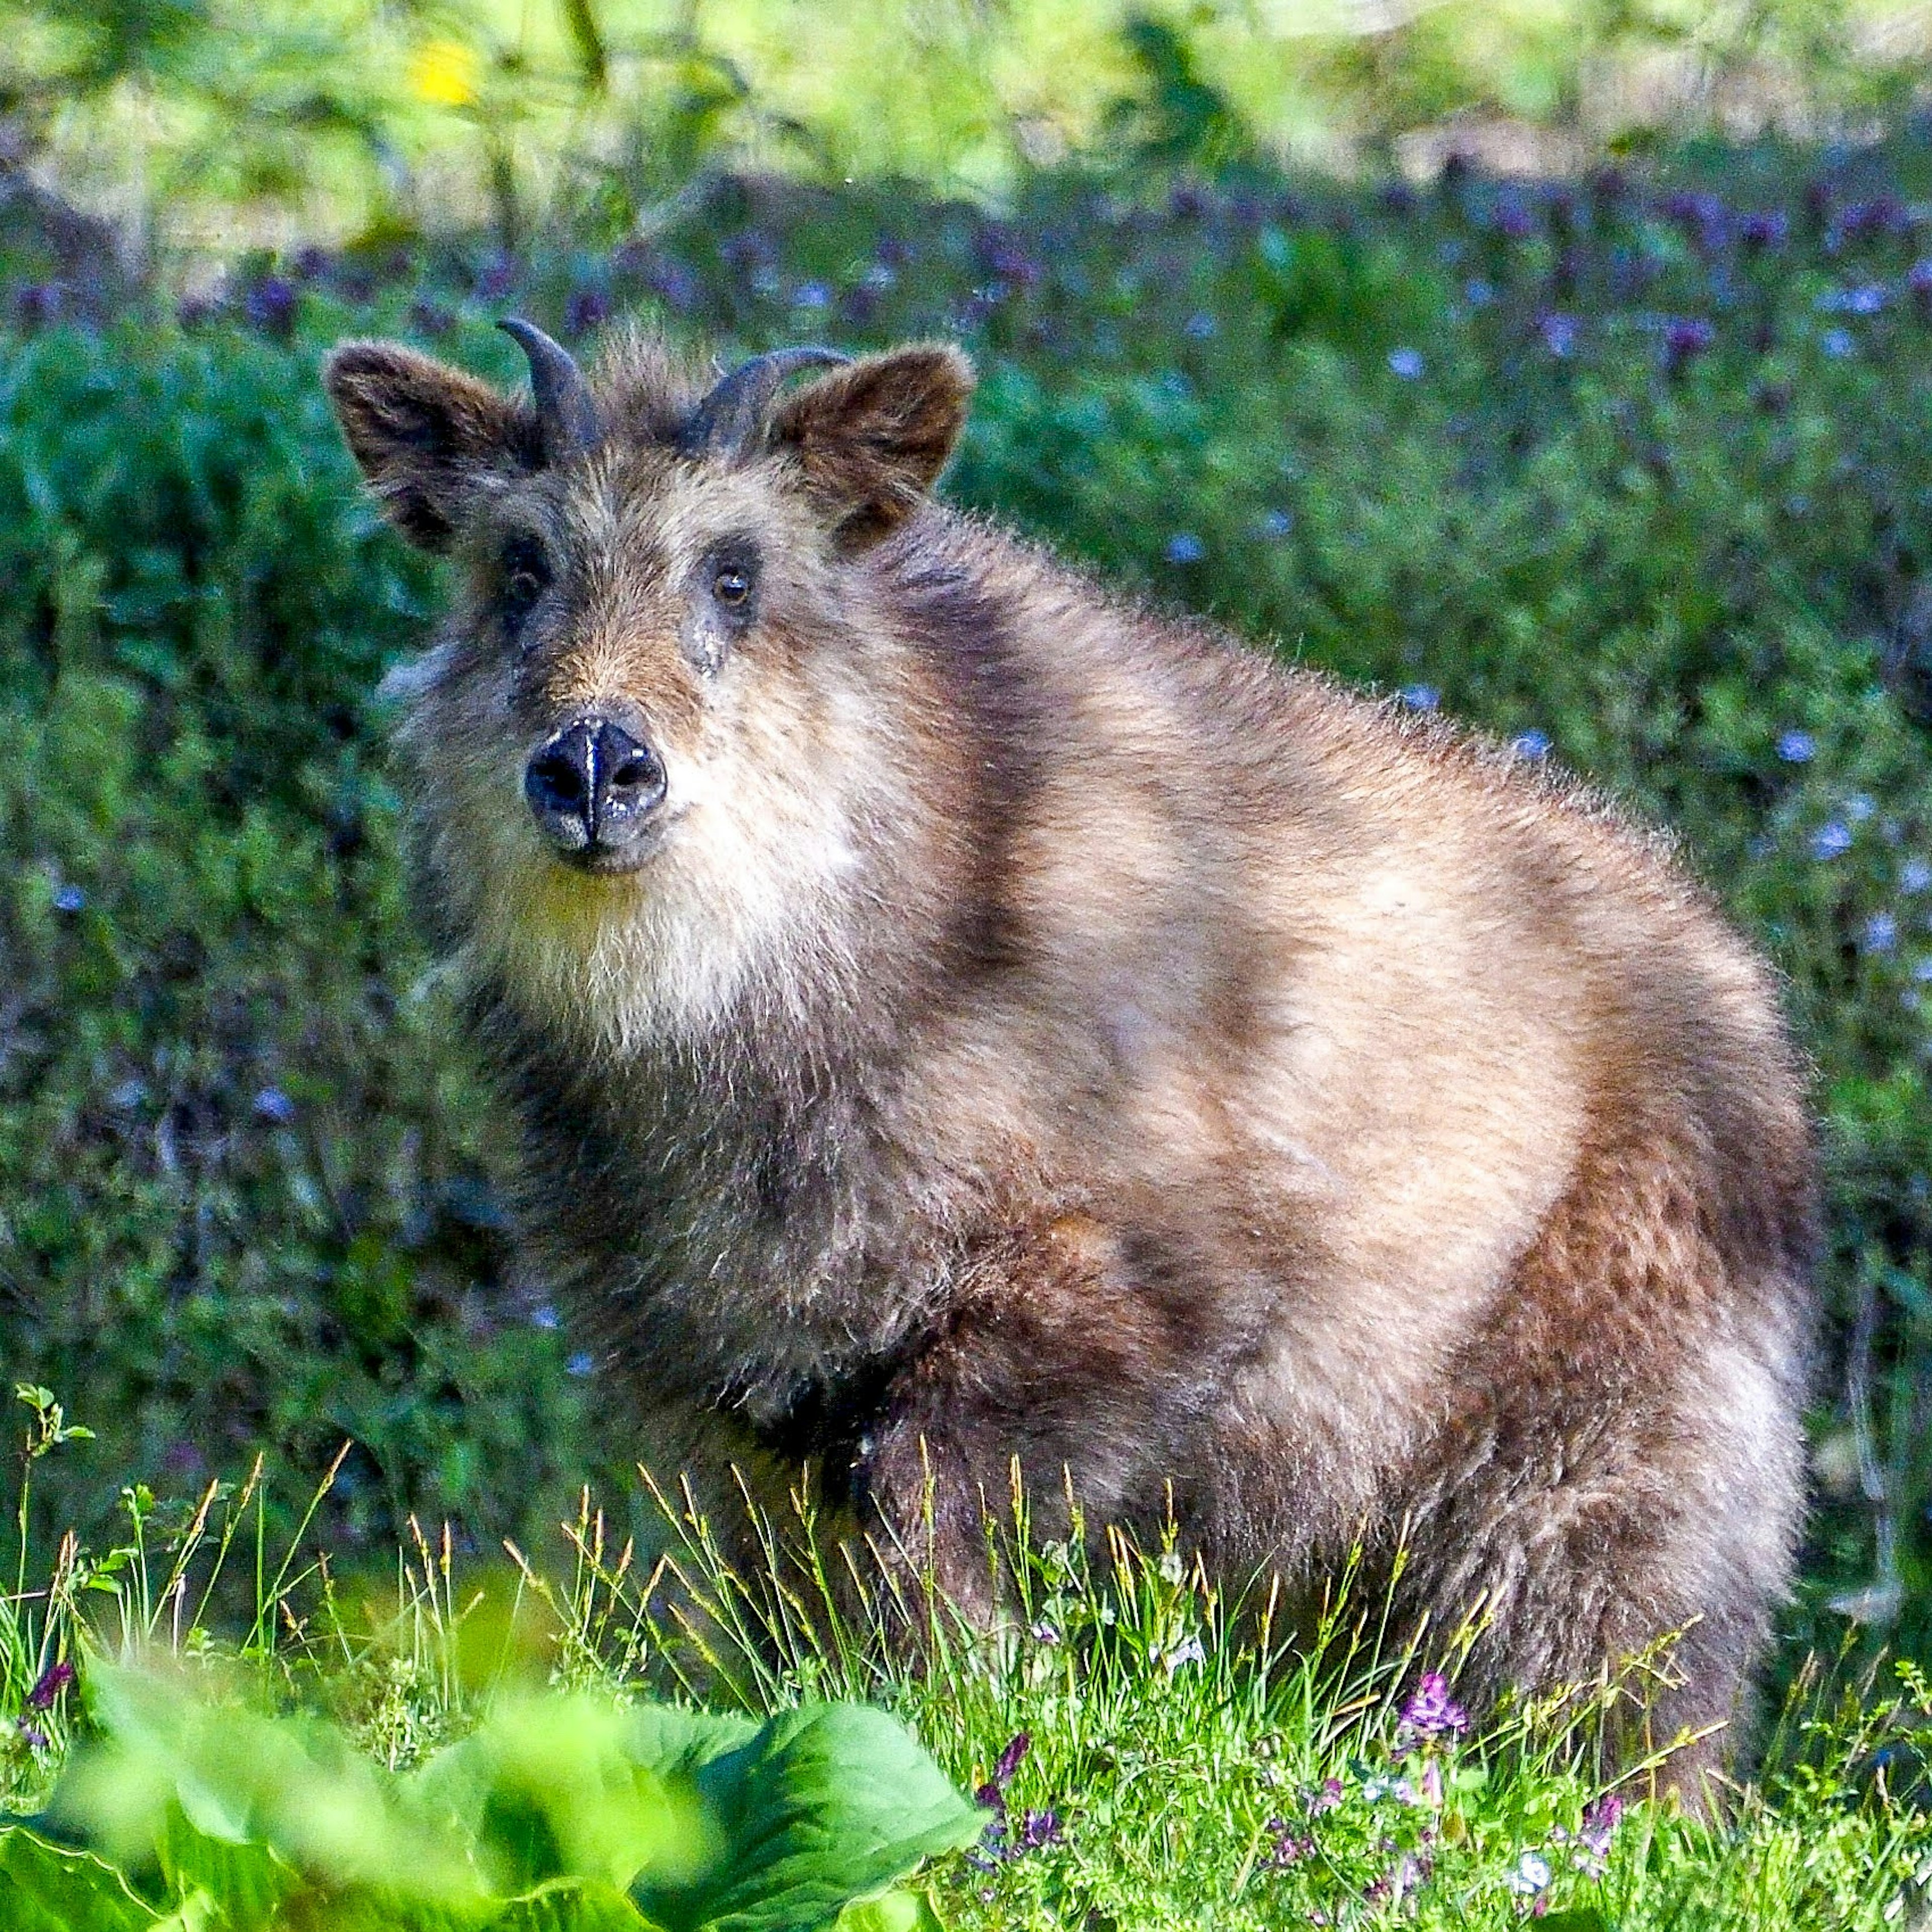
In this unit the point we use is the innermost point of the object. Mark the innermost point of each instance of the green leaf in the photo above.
(46, 1888)
(246, 1879)
(1584, 1918)
(891, 1912)
(826, 1804)
(572, 1905)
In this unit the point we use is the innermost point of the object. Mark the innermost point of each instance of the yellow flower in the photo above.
(445, 72)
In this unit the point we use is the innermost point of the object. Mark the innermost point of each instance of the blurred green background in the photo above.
(1566, 366)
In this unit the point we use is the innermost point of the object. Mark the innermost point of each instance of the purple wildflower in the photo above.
(430, 318)
(270, 306)
(587, 309)
(1685, 337)
(1764, 231)
(52, 1682)
(1289, 1846)
(1408, 1872)
(496, 277)
(1431, 1712)
(1038, 1829)
(1515, 221)
(1919, 281)
(32, 1735)
(994, 1791)
(1326, 1798)
(38, 304)
(1599, 1825)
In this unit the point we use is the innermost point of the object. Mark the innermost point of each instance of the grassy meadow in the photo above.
(1630, 469)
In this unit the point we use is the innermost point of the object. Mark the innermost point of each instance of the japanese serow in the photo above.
(955, 1015)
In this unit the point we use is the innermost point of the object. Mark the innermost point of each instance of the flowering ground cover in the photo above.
(680, 1745)
(1631, 472)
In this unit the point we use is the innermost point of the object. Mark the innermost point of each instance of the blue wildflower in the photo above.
(1184, 547)
(1277, 523)
(1407, 363)
(1796, 748)
(1914, 875)
(1421, 696)
(70, 899)
(1559, 334)
(1531, 744)
(1200, 325)
(1881, 932)
(1831, 840)
(811, 294)
(545, 1317)
(581, 1364)
(272, 1104)
(1837, 342)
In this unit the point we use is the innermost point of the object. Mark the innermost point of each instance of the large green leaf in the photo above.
(891, 1912)
(46, 1888)
(572, 1905)
(570, 1787)
(825, 1804)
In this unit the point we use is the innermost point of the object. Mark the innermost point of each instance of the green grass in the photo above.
(1152, 1755)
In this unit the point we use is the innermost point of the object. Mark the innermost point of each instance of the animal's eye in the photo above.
(732, 585)
(526, 577)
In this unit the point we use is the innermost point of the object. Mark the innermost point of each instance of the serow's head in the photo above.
(656, 576)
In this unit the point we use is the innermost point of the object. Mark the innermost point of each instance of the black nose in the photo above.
(593, 787)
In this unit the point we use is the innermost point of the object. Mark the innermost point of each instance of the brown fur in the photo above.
(1047, 1030)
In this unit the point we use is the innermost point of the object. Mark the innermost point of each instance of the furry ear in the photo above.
(872, 438)
(424, 433)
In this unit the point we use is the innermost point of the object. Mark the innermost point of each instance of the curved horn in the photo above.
(729, 417)
(566, 411)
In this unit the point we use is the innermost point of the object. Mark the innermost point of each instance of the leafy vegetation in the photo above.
(1632, 476)
(1141, 1754)
(204, 120)
(570, 1815)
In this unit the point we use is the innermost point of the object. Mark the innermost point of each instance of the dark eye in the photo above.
(732, 585)
(526, 577)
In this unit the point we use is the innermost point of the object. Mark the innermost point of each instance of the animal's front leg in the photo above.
(1051, 1359)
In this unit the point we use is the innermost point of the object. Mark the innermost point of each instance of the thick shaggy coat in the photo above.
(1027, 1026)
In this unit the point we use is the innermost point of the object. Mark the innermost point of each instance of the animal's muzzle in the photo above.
(594, 789)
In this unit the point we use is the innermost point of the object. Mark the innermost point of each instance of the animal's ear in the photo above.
(425, 434)
(872, 438)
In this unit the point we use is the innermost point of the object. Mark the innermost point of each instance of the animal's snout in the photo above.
(594, 787)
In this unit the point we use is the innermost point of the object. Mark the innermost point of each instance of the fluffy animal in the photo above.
(954, 1014)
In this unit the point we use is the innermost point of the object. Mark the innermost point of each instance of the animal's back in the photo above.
(1459, 1087)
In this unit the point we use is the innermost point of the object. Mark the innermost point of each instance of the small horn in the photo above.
(728, 418)
(566, 411)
